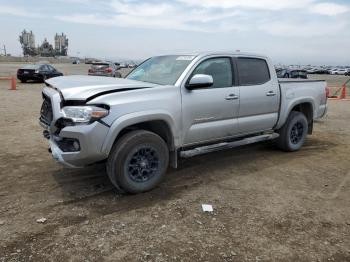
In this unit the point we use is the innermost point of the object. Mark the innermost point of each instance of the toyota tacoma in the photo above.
(175, 106)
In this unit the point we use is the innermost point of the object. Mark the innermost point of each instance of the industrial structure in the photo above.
(61, 44)
(27, 40)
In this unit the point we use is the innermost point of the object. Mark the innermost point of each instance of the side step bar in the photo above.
(227, 145)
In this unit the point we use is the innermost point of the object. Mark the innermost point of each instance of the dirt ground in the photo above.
(268, 205)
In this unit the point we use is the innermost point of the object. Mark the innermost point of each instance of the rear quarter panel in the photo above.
(295, 92)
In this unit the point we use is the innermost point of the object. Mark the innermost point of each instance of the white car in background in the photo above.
(339, 71)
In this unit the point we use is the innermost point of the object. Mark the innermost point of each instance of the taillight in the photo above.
(109, 70)
(327, 90)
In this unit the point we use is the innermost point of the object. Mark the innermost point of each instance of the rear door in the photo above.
(211, 113)
(259, 95)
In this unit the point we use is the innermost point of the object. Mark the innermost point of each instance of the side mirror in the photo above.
(200, 81)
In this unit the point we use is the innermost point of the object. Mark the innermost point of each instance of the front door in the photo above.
(211, 113)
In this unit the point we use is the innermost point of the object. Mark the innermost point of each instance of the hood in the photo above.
(86, 87)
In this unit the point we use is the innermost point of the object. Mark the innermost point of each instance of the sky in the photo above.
(290, 32)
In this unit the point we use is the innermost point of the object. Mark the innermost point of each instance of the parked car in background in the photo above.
(321, 71)
(347, 72)
(291, 73)
(76, 62)
(123, 65)
(37, 72)
(338, 71)
(104, 69)
(132, 65)
(117, 65)
(310, 70)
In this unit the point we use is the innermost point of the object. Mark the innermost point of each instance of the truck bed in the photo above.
(302, 90)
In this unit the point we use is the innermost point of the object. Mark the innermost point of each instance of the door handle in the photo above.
(232, 97)
(270, 93)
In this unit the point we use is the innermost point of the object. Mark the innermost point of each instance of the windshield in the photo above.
(162, 70)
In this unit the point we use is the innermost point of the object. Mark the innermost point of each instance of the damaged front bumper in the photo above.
(74, 145)
(83, 147)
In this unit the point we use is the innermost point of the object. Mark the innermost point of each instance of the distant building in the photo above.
(46, 49)
(27, 40)
(61, 44)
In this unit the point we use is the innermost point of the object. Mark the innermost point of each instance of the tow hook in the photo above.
(46, 134)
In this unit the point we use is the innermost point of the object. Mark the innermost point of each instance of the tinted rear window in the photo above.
(99, 65)
(252, 71)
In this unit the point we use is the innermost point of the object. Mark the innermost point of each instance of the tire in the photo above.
(293, 133)
(23, 80)
(138, 162)
(286, 76)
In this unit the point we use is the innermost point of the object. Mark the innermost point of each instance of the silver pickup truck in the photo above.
(175, 106)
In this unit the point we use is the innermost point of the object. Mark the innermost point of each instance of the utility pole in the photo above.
(5, 49)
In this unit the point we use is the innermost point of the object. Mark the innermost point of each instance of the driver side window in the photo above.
(219, 68)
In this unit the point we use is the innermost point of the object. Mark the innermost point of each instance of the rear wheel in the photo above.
(23, 80)
(138, 162)
(293, 133)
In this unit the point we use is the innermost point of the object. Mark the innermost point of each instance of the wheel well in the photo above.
(158, 127)
(307, 110)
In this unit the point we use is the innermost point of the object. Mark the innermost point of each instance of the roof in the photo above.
(209, 53)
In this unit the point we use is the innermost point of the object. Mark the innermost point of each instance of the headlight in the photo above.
(36, 71)
(84, 114)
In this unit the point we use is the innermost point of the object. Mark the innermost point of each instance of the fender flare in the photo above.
(134, 118)
(294, 103)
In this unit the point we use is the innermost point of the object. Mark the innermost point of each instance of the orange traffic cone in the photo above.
(343, 92)
(13, 83)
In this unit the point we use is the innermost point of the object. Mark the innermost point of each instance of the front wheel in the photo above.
(138, 162)
(293, 133)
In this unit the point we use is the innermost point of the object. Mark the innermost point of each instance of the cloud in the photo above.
(258, 4)
(307, 30)
(17, 11)
(157, 16)
(330, 9)
(303, 18)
